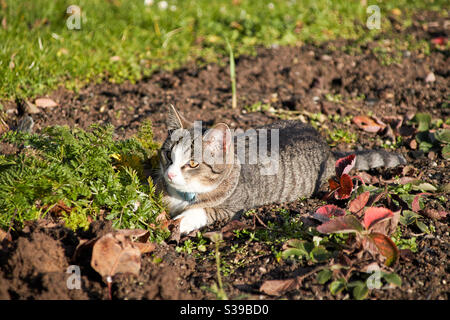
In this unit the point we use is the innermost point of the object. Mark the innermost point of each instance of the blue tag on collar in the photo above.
(187, 196)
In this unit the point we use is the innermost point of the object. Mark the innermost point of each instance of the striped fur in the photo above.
(305, 163)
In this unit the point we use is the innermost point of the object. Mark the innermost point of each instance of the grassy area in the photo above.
(125, 40)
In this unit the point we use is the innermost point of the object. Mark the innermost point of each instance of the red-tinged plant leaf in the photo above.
(386, 247)
(359, 203)
(345, 189)
(435, 214)
(333, 184)
(344, 165)
(415, 205)
(367, 124)
(374, 215)
(279, 287)
(387, 226)
(326, 212)
(440, 41)
(345, 224)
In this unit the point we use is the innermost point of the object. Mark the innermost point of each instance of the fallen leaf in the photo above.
(145, 247)
(5, 236)
(279, 287)
(174, 228)
(375, 214)
(367, 124)
(430, 77)
(435, 214)
(359, 202)
(113, 254)
(45, 103)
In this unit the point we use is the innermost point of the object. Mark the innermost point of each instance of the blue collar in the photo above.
(187, 196)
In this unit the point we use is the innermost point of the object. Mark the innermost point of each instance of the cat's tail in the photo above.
(368, 159)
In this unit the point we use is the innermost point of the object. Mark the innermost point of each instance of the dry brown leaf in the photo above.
(145, 247)
(5, 236)
(45, 103)
(368, 124)
(113, 254)
(279, 287)
(174, 228)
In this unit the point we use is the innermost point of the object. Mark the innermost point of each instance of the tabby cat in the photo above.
(202, 192)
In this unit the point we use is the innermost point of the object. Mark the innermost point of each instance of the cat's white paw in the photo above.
(192, 219)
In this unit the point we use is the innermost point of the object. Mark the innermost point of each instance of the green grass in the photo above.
(126, 40)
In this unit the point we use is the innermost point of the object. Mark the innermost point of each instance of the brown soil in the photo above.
(33, 265)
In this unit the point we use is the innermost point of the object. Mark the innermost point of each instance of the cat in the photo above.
(202, 192)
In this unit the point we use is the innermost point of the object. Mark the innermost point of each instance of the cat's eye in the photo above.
(193, 164)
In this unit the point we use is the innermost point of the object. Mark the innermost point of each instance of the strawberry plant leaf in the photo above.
(359, 202)
(415, 205)
(374, 215)
(326, 212)
(320, 254)
(422, 226)
(408, 217)
(324, 275)
(393, 278)
(333, 184)
(360, 289)
(345, 165)
(446, 152)
(337, 286)
(423, 120)
(346, 187)
(386, 247)
(345, 224)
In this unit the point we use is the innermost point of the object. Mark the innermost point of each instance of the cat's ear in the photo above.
(175, 120)
(217, 144)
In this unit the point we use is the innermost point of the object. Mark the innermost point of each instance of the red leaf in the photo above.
(440, 41)
(415, 205)
(346, 187)
(344, 165)
(360, 202)
(386, 247)
(343, 224)
(367, 124)
(326, 212)
(333, 184)
(374, 215)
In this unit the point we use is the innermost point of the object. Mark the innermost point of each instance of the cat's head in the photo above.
(193, 159)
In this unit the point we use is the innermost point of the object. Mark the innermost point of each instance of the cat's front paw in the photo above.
(192, 219)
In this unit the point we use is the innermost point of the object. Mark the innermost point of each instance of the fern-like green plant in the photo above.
(88, 171)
